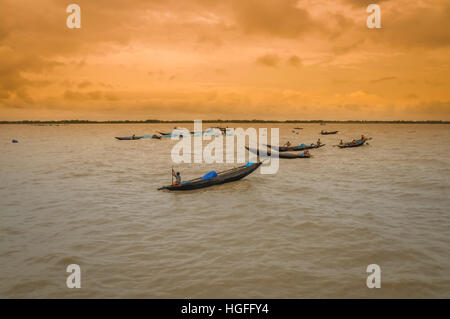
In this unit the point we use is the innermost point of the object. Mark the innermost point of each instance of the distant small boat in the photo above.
(328, 132)
(355, 143)
(280, 155)
(295, 148)
(298, 128)
(183, 133)
(220, 178)
(15, 141)
(128, 138)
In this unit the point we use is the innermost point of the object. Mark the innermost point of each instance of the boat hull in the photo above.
(128, 138)
(358, 144)
(294, 148)
(329, 133)
(227, 177)
(280, 155)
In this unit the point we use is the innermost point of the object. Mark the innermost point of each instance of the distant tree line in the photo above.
(220, 121)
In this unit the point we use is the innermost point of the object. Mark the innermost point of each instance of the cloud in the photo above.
(12, 69)
(383, 79)
(440, 109)
(407, 26)
(82, 96)
(208, 51)
(270, 60)
(363, 3)
(84, 84)
(281, 18)
(294, 61)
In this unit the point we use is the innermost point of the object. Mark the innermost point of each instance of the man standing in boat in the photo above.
(177, 177)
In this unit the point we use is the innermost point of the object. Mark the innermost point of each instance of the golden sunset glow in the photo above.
(229, 59)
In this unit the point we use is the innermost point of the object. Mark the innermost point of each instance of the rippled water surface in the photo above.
(74, 194)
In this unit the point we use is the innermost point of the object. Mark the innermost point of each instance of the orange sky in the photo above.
(227, 59)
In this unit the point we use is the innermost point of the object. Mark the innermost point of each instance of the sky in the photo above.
(227, 59)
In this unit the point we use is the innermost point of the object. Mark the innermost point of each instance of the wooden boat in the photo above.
(227, 176)
(280, 155)
(355, 143)
(328, 133)
(294, 148)
(128, 138)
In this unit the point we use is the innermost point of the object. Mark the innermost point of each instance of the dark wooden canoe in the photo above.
(356, 143)
(294, 148)
(221, 178)
(128, 138)
(328, 133)
(280, 155)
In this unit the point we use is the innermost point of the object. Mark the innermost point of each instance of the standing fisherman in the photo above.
(177, 177)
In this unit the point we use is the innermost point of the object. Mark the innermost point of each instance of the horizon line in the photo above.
(155, 121)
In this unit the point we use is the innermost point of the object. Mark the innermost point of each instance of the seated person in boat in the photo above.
(287, 144)
(363, 137)
(318, 142)
(177, 177)
(306, 153)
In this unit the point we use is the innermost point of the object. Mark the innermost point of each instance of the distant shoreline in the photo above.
(220, 121)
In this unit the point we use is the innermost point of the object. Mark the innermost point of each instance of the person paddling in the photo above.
(177, 177)
(318, 142)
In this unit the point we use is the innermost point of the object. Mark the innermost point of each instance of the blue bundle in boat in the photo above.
(209, 175)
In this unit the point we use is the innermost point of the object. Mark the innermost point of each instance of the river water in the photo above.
(72, 194)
